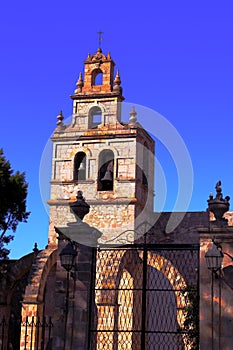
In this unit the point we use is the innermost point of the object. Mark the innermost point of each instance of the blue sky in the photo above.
(174, 57)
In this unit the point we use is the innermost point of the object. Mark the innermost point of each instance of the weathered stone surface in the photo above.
(123, 215)
(222, 301)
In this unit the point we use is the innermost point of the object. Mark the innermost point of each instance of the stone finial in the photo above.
(132, 119)
(79, 83)
(117, 78)
(60, 119)
(88, 57)
(79, 231)
(80, 208)
(219, 205)
(109, 56)
(35, 249)
(117, 82)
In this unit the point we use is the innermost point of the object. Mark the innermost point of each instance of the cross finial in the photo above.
(100, 37)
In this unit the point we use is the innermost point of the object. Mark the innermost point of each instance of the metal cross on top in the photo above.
(100, 37)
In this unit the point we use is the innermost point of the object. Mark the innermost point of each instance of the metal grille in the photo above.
(142, 296)
(36, 333)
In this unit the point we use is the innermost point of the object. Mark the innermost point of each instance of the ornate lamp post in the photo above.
(214, 256)
(67, 258)
(77, 232)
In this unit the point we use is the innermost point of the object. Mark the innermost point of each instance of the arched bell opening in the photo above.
(80, 166)
(145, 170)
(95, 117)
(97, 77)
(106, 171)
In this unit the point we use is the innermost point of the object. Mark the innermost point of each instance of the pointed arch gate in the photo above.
(145, 297)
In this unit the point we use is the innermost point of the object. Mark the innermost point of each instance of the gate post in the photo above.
(79, 300)
(222, 302)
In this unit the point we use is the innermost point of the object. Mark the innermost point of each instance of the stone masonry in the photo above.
(112, 163)
(112, 211)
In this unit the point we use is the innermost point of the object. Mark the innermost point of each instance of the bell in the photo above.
(82, 166)
(107, 176)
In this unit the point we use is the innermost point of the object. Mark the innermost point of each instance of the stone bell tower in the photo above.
(110, 161)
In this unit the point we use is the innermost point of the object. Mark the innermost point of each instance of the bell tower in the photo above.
(110, 161)
(97, 95)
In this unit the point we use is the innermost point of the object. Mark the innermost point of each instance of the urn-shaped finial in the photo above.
(80, 208)
(219, 205)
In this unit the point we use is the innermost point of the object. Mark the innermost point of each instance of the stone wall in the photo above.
(13, 281)
(114, 210)
(222, 302)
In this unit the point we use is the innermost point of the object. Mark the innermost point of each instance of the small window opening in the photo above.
(80, 166)
(95, 117)
(97, 77)
(106, 171)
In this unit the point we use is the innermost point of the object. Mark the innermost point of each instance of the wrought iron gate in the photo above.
(36, 333)
(146, 298)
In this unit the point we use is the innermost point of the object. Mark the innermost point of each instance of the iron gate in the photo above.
(146, 298)
(36, 333)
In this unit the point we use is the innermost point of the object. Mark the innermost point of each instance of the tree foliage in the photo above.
(191, 323)
(13, 194)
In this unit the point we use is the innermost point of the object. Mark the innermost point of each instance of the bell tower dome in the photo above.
(110, 161)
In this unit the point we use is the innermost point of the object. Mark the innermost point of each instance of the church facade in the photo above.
(132, 286)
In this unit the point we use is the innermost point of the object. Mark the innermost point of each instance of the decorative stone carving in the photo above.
(98, 56)
(80, 208)
(79, 84)
(79, 231)
(60, 119)
(218, 205)
(132, 119)
(117, 82)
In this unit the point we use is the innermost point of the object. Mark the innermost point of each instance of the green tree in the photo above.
(13, 194)
(191, 323)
